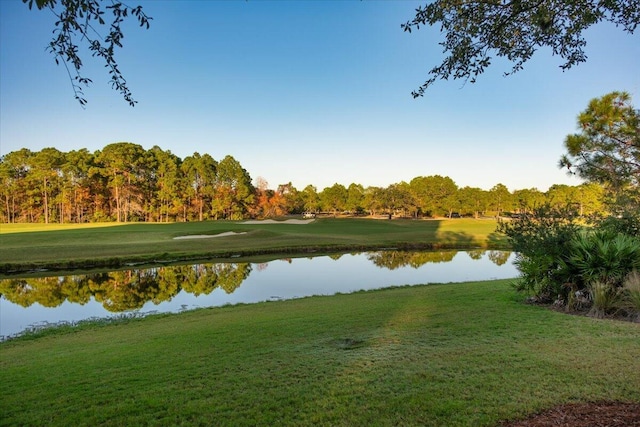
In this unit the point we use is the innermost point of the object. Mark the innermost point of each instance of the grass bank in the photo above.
(455, 355)
(27, 246)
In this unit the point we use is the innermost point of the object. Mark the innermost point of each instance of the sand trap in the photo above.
(254, 222)
(208, 236)
(289, 221)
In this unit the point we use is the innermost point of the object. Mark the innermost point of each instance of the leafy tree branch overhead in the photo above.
(83, 23)
(476, 31)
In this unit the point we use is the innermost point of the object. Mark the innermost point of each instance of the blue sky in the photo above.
(308, 92)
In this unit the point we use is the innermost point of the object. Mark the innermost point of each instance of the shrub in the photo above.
(541, 240)
(598, 262)
(624, 208)
(606, 298)
(600, 256)
(560, 260)
(632, 293)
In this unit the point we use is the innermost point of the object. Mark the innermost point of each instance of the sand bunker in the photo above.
(208, 236)
(289, 221)
(254, 222)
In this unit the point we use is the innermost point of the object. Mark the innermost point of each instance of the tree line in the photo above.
(123, 182)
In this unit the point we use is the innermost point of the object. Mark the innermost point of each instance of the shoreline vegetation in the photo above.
(28, 248)
(450, 354)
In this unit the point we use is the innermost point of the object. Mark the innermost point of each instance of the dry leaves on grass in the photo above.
(603, 414)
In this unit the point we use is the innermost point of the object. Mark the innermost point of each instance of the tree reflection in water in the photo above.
(398, 259)
(499, 257)
(126, 290)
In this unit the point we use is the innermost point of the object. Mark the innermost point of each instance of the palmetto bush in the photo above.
(600, 261)
(538, 276)
(600, 256)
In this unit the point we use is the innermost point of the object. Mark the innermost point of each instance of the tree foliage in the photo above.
(355, 198)
(334, 198)
(78, 23)
(200, 179)
(607, 147)
(476, 31)
(234, 191)
(435, 195)
(541, 240)
(310, 199)
(125, 182)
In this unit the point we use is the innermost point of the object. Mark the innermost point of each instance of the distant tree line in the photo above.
(123, 182)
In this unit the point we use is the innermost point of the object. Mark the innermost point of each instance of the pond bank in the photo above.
(117, 246)
(247, 255)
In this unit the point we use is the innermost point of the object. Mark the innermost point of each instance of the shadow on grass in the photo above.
(456, 239)
(497, 240)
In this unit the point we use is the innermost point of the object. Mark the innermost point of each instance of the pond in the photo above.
(32, 303)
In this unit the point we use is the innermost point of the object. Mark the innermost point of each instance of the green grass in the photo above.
(29, 246)
(457, 355)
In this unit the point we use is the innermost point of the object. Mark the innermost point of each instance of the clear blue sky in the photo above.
(307, 92)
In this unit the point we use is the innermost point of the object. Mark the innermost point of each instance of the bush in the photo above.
(561, 261)
(627, 222)
(606, 299)
(597, 262)
(631, 299)
(600, 256)
(542, 239)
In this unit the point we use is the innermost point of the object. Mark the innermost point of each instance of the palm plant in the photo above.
(600, 261)
(601, 257)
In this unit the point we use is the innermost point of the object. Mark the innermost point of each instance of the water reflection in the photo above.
(398, 259)
(186, 285)
(126, 290)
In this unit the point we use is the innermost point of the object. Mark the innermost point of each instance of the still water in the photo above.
(28, 303)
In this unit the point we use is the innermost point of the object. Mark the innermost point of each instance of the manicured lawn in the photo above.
(28, 246)
(456, 355)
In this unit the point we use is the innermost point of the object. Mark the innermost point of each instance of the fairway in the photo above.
(27, 246)
(440, 355)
